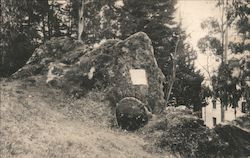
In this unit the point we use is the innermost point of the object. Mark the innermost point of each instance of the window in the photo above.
(214, 121)
(243, 107)
(214, 103)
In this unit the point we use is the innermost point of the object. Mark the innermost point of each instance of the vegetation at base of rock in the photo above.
(180, 132)
(40, 121)
(236, 138)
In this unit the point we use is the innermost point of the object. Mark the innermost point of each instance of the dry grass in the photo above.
(38, 121)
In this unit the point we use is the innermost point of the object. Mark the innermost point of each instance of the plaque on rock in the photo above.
(138, 77)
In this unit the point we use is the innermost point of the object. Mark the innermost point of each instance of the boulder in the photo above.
(120, 68)
(93, 70)
(51, 51)
(125, 68)
(131, 113)
(137, 73)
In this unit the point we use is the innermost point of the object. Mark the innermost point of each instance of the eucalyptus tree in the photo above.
(234, 16)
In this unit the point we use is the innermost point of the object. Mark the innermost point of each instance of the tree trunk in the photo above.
(222, 112)
(81, 21)
(2, 15)
(222, 32)
(50, 15)
(174, 71)
(43, 29)
(226, 36)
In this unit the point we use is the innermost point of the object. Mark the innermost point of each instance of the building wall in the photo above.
(209, 113)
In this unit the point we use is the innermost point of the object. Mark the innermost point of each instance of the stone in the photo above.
(52, 51)
(55, 73)
(120, 68)
(131, 113)
(136, 53)
(115, 66)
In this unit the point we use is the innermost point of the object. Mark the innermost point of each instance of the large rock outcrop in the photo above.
(53, 50)
(128, 73)
(121, 69)
(136, 54)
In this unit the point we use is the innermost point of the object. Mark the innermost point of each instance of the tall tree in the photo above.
(24, 25)
(16, 36)
(120, 19)
(81, 20)
(226, 84)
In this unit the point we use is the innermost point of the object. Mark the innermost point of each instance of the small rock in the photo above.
(131, 114)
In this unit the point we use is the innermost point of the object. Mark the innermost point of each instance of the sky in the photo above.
(192, 13)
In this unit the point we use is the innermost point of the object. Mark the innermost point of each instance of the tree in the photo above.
(81, 20)
(97, 20)
(226, 84)
(187, 88)
(24, 25)
(106, 19)
(16, 36)
(237, 14)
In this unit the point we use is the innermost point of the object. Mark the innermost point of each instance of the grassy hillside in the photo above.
(39, 121)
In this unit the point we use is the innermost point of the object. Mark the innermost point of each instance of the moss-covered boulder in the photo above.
(137, 73)
(131, 113)
(122, 69)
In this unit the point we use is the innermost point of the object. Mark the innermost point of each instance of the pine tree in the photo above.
(105, 20)
(24, 25)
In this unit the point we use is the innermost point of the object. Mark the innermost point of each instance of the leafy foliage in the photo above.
(230, 83)
(212, 44)
(232, 87)
(24, 25)
(179, 131)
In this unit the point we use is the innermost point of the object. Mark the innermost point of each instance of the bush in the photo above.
(182, 133)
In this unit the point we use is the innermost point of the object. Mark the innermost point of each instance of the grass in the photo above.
(39, 121)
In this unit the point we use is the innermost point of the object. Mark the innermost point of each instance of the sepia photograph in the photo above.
(125, 79)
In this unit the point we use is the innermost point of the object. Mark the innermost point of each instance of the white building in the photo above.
(212, 114)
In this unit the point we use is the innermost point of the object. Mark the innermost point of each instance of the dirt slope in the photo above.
(38, 121)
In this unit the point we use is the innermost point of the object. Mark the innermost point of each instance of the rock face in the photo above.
(136, 53)
(122, 69)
